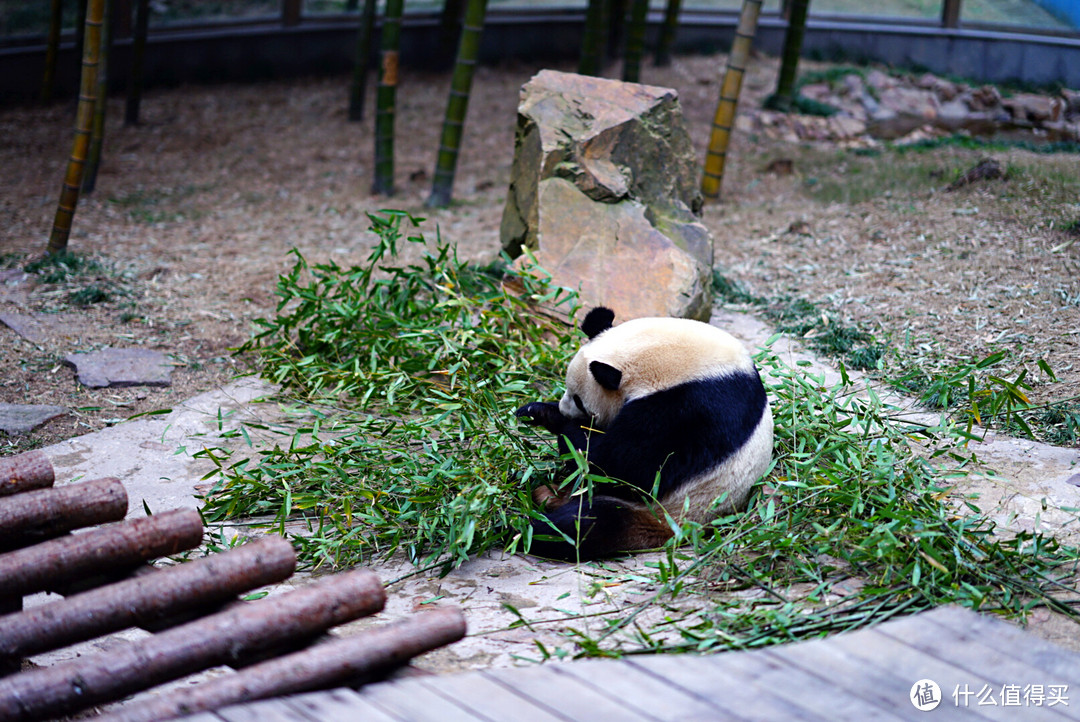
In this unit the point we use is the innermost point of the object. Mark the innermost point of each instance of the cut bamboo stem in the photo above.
(385, 97)
(458, 104)
(218, 639)
(53, 511)
(26, 471)
(345, 660)
(147, 598)
(35, 568)
(724, 120)
(69, 192)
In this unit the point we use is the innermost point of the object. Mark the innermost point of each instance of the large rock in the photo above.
(604, 191)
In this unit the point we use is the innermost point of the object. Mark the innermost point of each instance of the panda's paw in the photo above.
(548, 497)
(542, 413)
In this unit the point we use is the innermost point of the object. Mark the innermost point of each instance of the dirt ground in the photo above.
(196, 209)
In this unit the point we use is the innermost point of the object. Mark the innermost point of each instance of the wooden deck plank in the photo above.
(852, 675)
(567, 696)
(702, 681)
(821, 697)
(489, 699)
(644, 692)
(267, 710)
(411, 701)
(1007, 638)
(911, 664)
(338, 704)
(970, 654)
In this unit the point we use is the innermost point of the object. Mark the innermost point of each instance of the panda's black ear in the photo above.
(597, 321)
(607, 376)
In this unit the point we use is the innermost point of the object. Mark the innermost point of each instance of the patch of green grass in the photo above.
(409, 377)
(975, 392)
(64, 266)
(819, 330)
(968, 142)
(89, 295)
(155, 205)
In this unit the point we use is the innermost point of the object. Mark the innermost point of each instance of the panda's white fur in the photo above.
(663, 394)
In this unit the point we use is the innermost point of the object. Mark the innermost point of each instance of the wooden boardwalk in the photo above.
(867, 675)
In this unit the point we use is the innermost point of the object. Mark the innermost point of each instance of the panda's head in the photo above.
(640, 357)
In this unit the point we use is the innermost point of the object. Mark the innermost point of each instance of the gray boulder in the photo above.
(604, 192)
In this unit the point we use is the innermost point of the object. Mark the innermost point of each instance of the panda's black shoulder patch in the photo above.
(597, 321)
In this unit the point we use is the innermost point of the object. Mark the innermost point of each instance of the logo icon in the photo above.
(925, 695)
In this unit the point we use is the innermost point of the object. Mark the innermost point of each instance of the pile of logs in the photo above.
(277, 645)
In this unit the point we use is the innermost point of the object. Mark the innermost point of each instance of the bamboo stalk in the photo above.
(592, 40)
(52, 50)
(59, 509)
(667, 33)
(35, 568)
(789, 64)
(147, 598)
(615, 21)
(138, 60)
(97, 127)
(458, 104)
(450, 26)
(69, 194)
(724, 119)
(344, 660)
(385, 99)
(26, 471)
(358, 87)
(218, 639)
(635, 40)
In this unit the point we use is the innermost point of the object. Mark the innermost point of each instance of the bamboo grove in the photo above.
(611, 28)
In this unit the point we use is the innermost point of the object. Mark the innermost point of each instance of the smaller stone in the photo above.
(121, 367)
(24, 418)
(29, 327)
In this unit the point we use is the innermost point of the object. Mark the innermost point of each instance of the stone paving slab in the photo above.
(29, 326)
(18, 419)
(121, 367)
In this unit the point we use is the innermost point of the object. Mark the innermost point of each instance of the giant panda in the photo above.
(673, 408)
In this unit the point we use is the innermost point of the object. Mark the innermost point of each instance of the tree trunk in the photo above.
(69, 194)
(385, 98)
(635, 40)
(457, 105)
(97, 128)
(52, 50)
(138, 58)
(789, 64)
(667, 33)
(724, 119)
(358, 88)
(592, 41)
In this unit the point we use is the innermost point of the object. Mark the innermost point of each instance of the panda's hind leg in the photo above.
(600, 527)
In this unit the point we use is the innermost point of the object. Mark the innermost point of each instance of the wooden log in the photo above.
(35, 568)
(51, 512)
(147, 597)
(344, 660)
(218, 639)
(26, 471)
